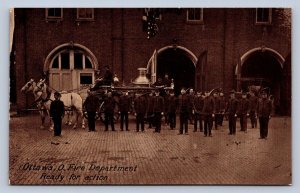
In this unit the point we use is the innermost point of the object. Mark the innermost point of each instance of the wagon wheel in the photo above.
(102, 114)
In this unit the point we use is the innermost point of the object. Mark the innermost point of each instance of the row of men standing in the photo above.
(208, 108)
(200, 108)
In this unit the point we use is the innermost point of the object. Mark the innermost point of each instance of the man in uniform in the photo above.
(124, 106)
(191, 97)
(232, 109)
(222, 108)
(243, 111)
(150, 114)
(253, 102)
(183, 106)
(57, 111)
(166, 110)
(264, 110)
(197, 108)
(167, 81)
(159, 82)
(91, 105)
(140, 107)
(109, 107)
(108, 78)
(158, 110)
(208, 112)
(172, 107)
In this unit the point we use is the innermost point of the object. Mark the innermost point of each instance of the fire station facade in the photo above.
(200, 48)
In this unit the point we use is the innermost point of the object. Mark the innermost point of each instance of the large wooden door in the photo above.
(71, 71)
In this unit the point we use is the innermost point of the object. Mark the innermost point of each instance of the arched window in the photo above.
(71, 69)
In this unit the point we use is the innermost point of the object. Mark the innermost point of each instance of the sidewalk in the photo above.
(128, 157)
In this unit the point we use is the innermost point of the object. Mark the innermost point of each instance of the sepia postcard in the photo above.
(150, 96)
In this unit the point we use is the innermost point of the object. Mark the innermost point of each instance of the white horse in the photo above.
(43, 100)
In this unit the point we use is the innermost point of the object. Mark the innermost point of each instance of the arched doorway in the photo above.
(178, 62)
(178, 66)
(70, 67)
(263, 67)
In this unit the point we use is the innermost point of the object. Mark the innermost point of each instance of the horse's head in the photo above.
(41, 86)
(41, 89)
(29, 86)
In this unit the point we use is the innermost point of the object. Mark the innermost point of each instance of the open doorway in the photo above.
(178, 65)
(262, 68)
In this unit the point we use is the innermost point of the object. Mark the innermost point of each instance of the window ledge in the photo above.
(58, 19)
(263, 23)
(84, 19)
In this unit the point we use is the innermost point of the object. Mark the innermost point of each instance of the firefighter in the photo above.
(264, 110)
(172, 107)
(253, 102)
(222, 108)
(208, 113)
(140, 107)
(57, 111)
(109, 107)
(150, 113)
(183, 107)
(197, 108)
(243, 111)
(91, 105)
(231, 109)
(158, 110)
(191, 97)
(124, 107)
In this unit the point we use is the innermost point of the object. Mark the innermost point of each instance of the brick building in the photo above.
(199, 48)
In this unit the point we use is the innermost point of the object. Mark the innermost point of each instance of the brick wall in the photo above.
(116, 38)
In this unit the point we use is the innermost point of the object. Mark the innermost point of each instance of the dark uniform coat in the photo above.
(207, 111)
(140, 105)
(253, 102)
(91, 103)
(183, 104)
(124, 103)
(232, 106)
(150, 104)
(57, 108)
(222, 103)
(242, 111)
(158, 104)
(264, 108)
(184, 108)
(109, 105)
(243, 107)
(208, 105)
(198, 104)
(217, 104)
(172, 104)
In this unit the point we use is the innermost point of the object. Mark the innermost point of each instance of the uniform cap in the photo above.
(57, 93)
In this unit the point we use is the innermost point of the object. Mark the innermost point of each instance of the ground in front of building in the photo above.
(130, 157)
